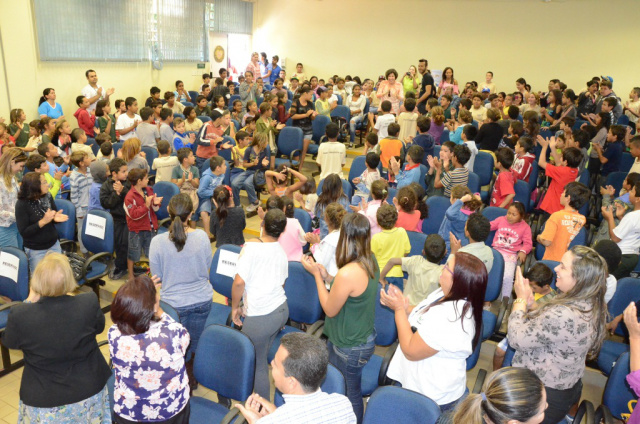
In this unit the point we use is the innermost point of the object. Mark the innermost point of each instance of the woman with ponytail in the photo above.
(47, 107)
(228, 222)
(509, 396)
(181, 259)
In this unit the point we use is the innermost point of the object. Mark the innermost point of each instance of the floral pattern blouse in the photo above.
(8, 201)
(554, 344)
(151, 382)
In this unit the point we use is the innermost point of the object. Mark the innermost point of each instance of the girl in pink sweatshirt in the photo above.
(513, 241)
(379, 191)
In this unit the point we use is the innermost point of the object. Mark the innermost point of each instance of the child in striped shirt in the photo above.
(80, 181)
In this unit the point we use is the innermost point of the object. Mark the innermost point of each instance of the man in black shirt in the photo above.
(428, 88)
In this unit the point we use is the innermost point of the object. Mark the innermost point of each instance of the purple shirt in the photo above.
(634, 382)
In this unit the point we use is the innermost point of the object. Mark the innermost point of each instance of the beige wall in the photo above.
(28, 76)
(567, 39)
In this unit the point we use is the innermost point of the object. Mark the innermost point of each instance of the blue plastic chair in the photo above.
(204, 119)
(390, 404)
(473, 183)
(151, 154)
(623, 120)
(222, 284)
(290, 143)
(494, 288)
(101, 259)
(346, 188)
(181, 116)
(375, 371)
(627, 290)
(483, 166)
(225, 362)
(185, 104)
(358, 166)
(226, 153)
(17, 292)
(319, 126)
(193, 95)
(339, 99)
(626, 162)
(491, 213)
(117, 146)
(617, 393)
(170, 310)
(416, 240)
(232, 99)
(523, 194)
(304, 219)
(66, 230)
(616, 179)
(362, 125)
(91, 142)
(341, 112)
(438, 206)
(334, 382)
(236, 124)
(445, 136)
(166, 190)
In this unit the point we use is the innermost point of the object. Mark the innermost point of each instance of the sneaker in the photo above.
(252, 208)
(117, 274)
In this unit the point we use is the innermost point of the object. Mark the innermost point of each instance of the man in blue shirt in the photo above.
(273, 70)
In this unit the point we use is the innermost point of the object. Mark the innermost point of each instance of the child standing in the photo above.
(17, 128)
(208, 139)
(98, 170)
(406, 202)
(140, 206)
(408, 120)
(610, 156)
(437, 123)
(332, 155)
(513, 241)
(455, 129)
(128, 122)
(164, 164)
(423, 270)
(463, 204)
(62, 137)
(390, 146)
(80, 145)
(47, 127)
(106, 121)
(86, 121)
(391, 242)
(147, 131)
(269, 127)
(563, 173)
(626, 234)
(187, 177)
(166, 132)
(80, 185)
(211, 178)
(523, 162)
(503, 189)
(331, 192)
(112, 195)
(292, 239)
(229, 222)
(563, 225)
(364, 181)
(423, 139)
(379, 191)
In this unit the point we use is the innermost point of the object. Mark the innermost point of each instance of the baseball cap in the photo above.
(321, 90)
(608, 78)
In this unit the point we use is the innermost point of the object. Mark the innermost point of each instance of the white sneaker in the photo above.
(252, 208)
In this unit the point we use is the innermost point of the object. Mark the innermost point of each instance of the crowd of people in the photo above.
(421, 140)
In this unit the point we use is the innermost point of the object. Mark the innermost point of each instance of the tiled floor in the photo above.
(593, 380)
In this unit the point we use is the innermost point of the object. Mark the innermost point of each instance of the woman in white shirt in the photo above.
(432, 360)
(262, 270)
(356, 103)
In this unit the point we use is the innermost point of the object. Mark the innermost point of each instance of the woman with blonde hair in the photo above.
(510, 395)
(65, 374)
(11, 163)
(411, 80)
(555, 340)
(134, 156)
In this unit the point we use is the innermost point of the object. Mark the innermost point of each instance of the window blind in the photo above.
(233, 16)
(182, 35)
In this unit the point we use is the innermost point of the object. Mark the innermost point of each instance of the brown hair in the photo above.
(407, 199)
(334, 214)
(354, 244)
(133, 307)
(130, 148)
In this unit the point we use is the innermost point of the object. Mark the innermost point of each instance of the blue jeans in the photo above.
(396, 281)
(352, 126)
(350, 361)
(193, 318)
(35, 256)
(244, 181)
(448, 409)
(10, 237)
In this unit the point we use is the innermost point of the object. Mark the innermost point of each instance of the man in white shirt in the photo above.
(298, 369)
(332, 155)
(93, 91)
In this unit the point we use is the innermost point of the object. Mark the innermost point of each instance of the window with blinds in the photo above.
(230, 16)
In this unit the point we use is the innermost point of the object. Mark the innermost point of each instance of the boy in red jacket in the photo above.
(86, 120)
(140, 205)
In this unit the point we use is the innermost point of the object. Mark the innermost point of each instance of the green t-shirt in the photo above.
(177, 173)
(102, 123)
(23, 138)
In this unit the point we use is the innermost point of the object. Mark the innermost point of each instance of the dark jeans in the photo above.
(627, 264)
(181, 417)
(121, 244)
(560, 402)
(396, 281)
(193, 318)
(350, 361)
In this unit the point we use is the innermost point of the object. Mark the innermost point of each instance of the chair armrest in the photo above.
(482, 375)
(9, 305)
(296, 152)
(64, 242)
(231, 415)
(163, 221)
(92, 259)
(603, 413)
(384, 367)
(504, 307)
(316, 328)
(585, 414)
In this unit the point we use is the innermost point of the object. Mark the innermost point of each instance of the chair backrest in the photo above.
(222, 283)
(533, 178)
(384, 323)
(225, 362)
(341, 112)
(302, 295)
(616, 179)
(416, 240)
(91, 142)
(523, 194)
(423, 172)
(318, 127)
(552, 265)
(627, 290)
(290, 139)
(339, 99)
(436, 151)
(97, 232)
(334, 382)
(116, 146)
(232, 99)
(491, 213)
(193, 95)
(14, 284)
(472, 360)
(474, 182)
(166, 190)
(226, 153)
(204, 119)
(185, 104)
(170, 310)
(358, 166)
(287, 106)
(303, 218)
(67, 229)
(623, 120)
(438, 206)
(236, 124)
(346, 188)
(617, 394)
(627, 162)
(151, 154)
(390, 404)
(483, 166)
(179, 115)
(445, 136)
(494, 284)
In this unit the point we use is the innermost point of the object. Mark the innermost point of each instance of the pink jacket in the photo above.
(292, 240)
(372, 209)
(511, 238)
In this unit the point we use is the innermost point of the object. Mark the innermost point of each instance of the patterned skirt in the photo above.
(94, 410)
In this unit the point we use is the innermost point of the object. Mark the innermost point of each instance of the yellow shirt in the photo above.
(393, 243)
(241, 155)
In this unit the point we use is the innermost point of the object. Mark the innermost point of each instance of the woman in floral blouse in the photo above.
(555, 340)
(147, 349)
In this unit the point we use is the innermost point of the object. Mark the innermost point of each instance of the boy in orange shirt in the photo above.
(561, 174)
(562, 227)
(391, 146)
